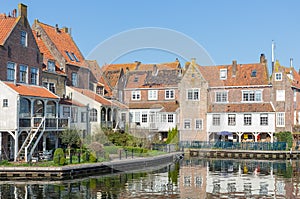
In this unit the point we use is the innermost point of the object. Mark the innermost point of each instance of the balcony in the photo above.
(49, 123)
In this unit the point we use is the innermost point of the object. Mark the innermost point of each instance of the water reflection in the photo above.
(192, 178)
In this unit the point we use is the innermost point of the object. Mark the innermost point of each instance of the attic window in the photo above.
(136, 79)
(253, 73)
(77, 60)
(223, 73)
(70, 56)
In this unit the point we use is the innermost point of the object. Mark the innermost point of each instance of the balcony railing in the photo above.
(50, 123)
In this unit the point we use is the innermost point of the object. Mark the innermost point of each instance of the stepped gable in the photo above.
(64, 43)
(31, 90)
(244, 75)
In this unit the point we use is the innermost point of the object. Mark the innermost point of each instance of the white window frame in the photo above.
(264, 119)
(5, 103)
(199, 124)
(50, 86)
(223, 74)
(93, 115)
(252, 96)
(23, 74)
(50, 66)
(221, 96)
(280, 95)
(152, 94)
(278, 76)
(170, 118)
(231, 119)
(135, 95)
(66, 111)
(11, 71)
(247, 119)
(169, 94)
(74, 78)
(24, 38)
(144, 118)
(34, 76)
(193, 94)
(187, 124)
(216, 119)
(280, 119)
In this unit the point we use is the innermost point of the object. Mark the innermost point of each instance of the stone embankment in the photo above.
(84, 170)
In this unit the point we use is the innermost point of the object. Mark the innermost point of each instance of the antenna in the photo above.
(273, 54)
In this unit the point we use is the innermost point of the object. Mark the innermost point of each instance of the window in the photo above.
(247, 119)
(24, 38)
(280, 95)
(83, 117)
(169, 94)
(198, 124)
(231, 119)
(163, 118)
(280, 119)
(76, 59)
(216, 119)
(135, 95)
(252, 96)
(34, 76)
(50, 86)
(152, 95)
(193, 94)
(170, 118)
(74, 114)
(66, 111)
(74, 79)
(93, 115)
(221, 96)
(11, 71)
(23, 74)
(51, 66)
(278, 76)
(5, 103)
(223, 74)
(99, 90)
(144, 117)
(136, 79)
(263, 119)
(187, 124)
(70, 56)
(253, 73)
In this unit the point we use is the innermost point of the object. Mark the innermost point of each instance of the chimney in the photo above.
(155, 70)
(291, 62)
(262, 58)
(22, 10)
(137, 65)
(14, 13)
(234, 67)
(56, 28)
(193, 61)
(65, 29)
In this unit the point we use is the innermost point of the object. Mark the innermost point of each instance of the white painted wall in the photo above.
(240, 127)
(8, 115)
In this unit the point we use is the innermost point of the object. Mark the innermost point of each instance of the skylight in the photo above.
(70, 56)
(77, 60)
(253, 73)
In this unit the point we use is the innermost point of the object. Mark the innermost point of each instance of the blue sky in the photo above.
(231, 29)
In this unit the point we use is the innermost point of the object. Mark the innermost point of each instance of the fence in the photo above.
(268, 146)
(165, 147)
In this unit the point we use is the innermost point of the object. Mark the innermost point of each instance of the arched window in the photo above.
(93, 115)
(38, 108)
(25, 109)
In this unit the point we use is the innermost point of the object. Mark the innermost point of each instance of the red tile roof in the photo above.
(31, 90)
(160, 66)
(125, 66)
(70, 102)
(136, 79)
(242, 78)
(241, 107)
(294, 76)
(164, 106)
(7, 24)
(64, 42)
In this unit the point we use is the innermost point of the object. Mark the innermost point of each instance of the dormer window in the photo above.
(136, 79)
(223, 74)
(24, 38)
(51, 66)
(253, 73)
(278, 76)
(70, 56)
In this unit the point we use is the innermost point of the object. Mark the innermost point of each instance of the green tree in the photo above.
(172, 136)
(285, 136)
(70, 137)
(59, 156)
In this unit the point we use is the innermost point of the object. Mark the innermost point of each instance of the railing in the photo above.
(268, 146)
(50, 123)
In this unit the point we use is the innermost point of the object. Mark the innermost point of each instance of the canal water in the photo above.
(188, 179)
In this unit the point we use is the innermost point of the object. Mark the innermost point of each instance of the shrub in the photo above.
(59, 156)
(93, 157)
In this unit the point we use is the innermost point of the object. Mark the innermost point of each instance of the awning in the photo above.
(224, 133)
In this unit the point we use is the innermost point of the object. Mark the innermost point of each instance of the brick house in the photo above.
(234, 98)
(151, 93)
